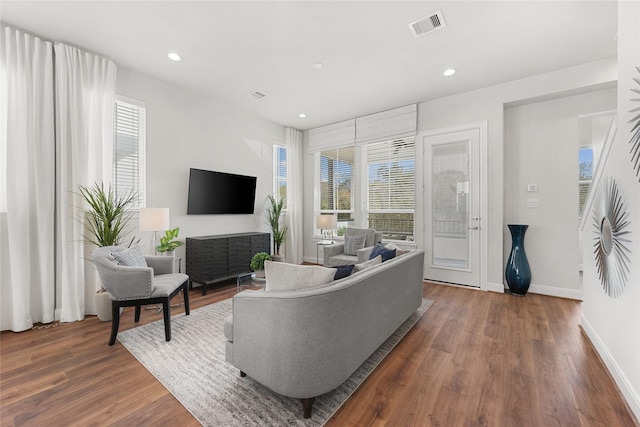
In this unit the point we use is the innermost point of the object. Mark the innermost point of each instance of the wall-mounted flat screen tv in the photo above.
(213, 192)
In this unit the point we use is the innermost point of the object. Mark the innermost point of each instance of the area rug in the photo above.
(192, 367)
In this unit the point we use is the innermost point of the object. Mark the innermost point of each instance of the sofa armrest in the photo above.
(160, 264)
(331, 250)
(363, 254)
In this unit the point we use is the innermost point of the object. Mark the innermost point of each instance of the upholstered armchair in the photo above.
(356, 248)
(134, 280)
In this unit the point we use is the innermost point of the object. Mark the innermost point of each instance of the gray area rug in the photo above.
(192, 367)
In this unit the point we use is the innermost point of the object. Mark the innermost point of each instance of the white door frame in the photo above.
(484, 205)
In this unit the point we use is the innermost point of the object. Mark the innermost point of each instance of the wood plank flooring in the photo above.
(474, 359)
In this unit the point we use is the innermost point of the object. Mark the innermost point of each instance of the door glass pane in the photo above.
(450, 205)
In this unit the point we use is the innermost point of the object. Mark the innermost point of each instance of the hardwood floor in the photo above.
(474, 359)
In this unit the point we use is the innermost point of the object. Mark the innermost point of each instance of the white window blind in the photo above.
(335, 135)
(336, 182)
(390, 177)
(279, 172)
(391, 124)
(129, 150)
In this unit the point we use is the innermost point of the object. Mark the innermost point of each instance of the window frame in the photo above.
(139, 187)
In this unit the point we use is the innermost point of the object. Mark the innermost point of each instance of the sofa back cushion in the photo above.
(281, 276)
(367, 264)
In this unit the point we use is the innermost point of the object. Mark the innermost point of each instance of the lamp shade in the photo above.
(327, 222)
(154, 219)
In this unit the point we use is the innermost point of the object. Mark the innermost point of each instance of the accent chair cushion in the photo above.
(369, 233)
(380, 249)
(131, 257)
(353, 243)
(291, 277)
(367, 264)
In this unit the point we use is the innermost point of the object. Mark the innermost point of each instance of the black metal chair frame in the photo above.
(137, 303)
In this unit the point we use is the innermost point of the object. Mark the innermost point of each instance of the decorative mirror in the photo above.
(635, 128)
(611, 243)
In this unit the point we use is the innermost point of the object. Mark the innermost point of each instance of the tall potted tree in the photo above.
(275, 220)
(106, 217)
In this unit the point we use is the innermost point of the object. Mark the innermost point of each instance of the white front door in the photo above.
(452, 207)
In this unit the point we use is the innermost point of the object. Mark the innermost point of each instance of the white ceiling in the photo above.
(371, 60)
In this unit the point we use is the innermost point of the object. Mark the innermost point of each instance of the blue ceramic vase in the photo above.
(518, 273)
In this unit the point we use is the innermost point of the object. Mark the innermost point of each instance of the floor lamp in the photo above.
(154, 219)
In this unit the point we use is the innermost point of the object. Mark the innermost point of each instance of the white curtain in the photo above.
(85, 96)
(295, 237)
(27, 153)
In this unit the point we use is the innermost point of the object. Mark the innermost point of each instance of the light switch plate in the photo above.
(533, 203)
(532, 188)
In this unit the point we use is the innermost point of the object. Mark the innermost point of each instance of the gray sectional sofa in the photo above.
(305, 343)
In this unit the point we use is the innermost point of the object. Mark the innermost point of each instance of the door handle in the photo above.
(473, 228)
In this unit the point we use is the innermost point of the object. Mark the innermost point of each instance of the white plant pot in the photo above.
(103, 306)
(260, 274)
(277, 258)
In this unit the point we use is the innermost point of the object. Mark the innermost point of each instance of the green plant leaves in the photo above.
(167, 242)
(107, 215)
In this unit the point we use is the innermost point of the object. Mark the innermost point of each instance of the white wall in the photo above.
(488, 104)
(541, 147)
(485, 104)
(613, 325)
(186, 129)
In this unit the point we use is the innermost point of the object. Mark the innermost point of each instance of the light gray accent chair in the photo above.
(305, 343)
(334, 254)
(138, 286)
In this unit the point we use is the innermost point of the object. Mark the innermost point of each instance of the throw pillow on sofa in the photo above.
(291, 277)
(399, 251)
(367, 264)
(343, 271)
(382, 250)
(353, 243)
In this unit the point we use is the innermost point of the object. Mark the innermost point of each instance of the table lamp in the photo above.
(327, 222)
(154, 219)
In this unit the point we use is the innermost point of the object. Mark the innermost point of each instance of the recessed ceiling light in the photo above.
(449, 72)
(318, 66)
(174, 57)
(302, 115)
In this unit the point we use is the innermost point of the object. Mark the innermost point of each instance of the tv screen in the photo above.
(220, 193)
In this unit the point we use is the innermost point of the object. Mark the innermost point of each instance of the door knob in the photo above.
(473, 228)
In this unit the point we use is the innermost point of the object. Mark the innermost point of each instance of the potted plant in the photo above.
(274, 220)
(105, 219)
(257, 263)
(168, 244)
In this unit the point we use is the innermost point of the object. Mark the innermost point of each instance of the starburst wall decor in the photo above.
(635, 129)
(611, 244)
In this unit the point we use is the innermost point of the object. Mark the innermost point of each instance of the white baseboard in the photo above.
(542, 290)
(556, 292)
(495, 287)
(630, 394)
(311, 259)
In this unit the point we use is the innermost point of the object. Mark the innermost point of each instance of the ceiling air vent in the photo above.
(427, 24)
(257, 95)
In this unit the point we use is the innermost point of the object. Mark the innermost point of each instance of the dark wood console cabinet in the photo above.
(212, 259)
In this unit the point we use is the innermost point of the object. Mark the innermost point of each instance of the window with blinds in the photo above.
(279, 172)
(585, 177)
(390, 176)
(336, 184)
(129, 150)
